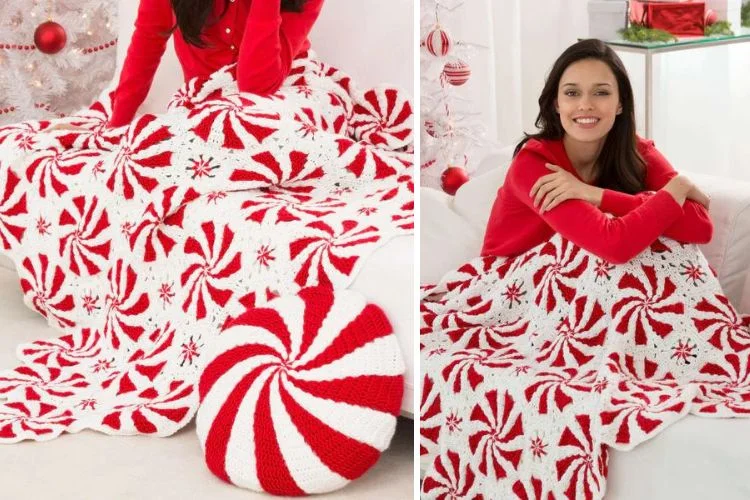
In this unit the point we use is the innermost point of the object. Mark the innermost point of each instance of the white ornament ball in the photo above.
(457, 73)
(438, 42)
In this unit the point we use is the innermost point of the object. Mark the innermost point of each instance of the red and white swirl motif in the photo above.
(532, 489)
(153, 412)
(39, 382)
(556, 280)
(86, 246)
(124, 305)
(465, 318)
(635, 412)
(152, 233)
(383, 117)
(365, 163)
(69, 351)
(468, 274)
(42, 285)
(450, 479)
(646, 306)
(231, 119)
(310, 122)
(12, 209)
(492, 337)
(91, 131)
(141, 152)
(582, 467)
(301, 396)
(23, 134)
(326, 254)
(187, 95)
(286, 207)
(558, 388)
(266, 170)
(727, 392)
(48, 169)
(463, 365)
(578, 336)
(214, 261)
(109, 230)
(144, 365)
(35, 420)
(715, 318)
(499, 435)
(430, 417)
(641, 372)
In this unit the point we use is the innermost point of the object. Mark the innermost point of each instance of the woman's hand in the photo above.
(699, 197)
(679, 187)
(551, 190)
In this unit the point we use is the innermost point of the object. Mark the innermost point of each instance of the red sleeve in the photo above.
(271, 41)
(616, 240)
(155, 19)
(695, 224)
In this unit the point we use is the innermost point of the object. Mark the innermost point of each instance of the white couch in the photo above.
(694, 459)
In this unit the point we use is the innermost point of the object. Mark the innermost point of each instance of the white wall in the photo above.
(528, 36)
(371, 41)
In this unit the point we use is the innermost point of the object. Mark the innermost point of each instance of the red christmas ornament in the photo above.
(50, 37)
(452, 179)
(457, 73)
(438, 42)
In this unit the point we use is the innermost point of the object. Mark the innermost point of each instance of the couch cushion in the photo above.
(333, 384)
(729, 249)
(446, 240)
(484, 188)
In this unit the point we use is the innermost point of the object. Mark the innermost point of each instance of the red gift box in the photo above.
(678, 18)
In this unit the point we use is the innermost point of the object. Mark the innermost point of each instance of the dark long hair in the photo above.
(620, 165)
(193, 15)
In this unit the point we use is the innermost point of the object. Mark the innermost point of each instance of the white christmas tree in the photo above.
(36, 85)
(450, 129)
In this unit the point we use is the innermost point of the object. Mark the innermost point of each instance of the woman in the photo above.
(576, 331)
(262, 37)
(586, 160)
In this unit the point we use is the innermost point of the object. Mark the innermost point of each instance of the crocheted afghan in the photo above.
(139, 243)
(535, 365)
(301, 396)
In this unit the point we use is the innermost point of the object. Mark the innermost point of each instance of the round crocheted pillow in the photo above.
(300, 396)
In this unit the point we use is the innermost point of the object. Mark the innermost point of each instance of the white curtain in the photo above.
(528, 36)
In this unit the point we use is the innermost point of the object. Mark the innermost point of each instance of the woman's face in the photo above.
(588, 100)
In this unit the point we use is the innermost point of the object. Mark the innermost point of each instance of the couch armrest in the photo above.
(446, 240)
(474, 199)
(729, 250)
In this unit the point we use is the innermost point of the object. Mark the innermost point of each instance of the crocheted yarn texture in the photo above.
(301, 396)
